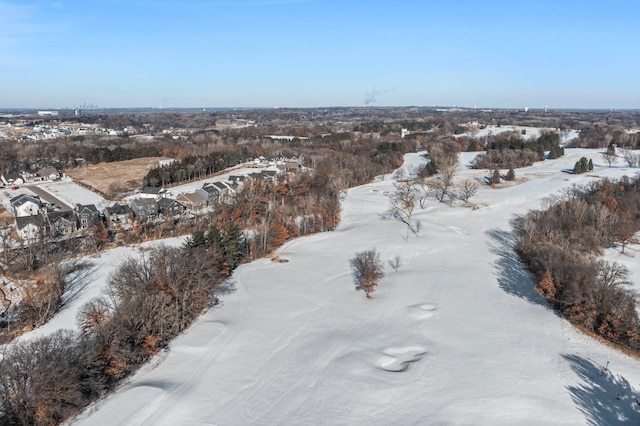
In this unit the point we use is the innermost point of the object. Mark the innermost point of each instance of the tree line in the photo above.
(148, 302)
(561, 246)
(192, 167)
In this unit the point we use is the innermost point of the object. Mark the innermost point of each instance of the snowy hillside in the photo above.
(455, 336)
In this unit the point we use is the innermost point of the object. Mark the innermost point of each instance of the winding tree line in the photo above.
(561, 247)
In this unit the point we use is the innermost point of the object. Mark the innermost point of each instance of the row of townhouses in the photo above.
(35, 218)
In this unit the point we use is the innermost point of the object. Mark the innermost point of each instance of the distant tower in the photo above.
(77, 112)
(545, 109)
(526, 109)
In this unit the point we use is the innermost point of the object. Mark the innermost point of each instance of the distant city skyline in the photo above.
(319, 53)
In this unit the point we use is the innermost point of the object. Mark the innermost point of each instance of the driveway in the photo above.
(49, 198)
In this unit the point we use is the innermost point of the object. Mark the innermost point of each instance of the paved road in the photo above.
(49, 198)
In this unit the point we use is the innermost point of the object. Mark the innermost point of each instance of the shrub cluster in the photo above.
(507, 152)
(582, 166)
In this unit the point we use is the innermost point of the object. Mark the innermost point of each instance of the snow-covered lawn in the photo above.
(455, 336)
(72, 193)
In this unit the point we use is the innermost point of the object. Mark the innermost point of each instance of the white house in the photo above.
(25, 205)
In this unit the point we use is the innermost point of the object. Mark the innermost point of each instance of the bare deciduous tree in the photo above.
(403, 202)
(609, 155)
(468, 189)
(443, 183)
(633, 160)
(367, 270)
(396, 262)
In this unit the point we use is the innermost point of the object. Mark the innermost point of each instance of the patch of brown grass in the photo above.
(121, 175)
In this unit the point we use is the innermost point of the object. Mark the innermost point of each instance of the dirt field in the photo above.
(116, 177)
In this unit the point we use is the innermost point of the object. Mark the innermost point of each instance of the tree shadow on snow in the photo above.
(78, 275)
(513, 276)
(603, 397)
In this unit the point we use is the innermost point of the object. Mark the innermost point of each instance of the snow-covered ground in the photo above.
(66, 190)
(455, 336)
(526, 132)
(234, 171)
(72, 193)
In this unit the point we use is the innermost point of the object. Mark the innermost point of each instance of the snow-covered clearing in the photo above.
(455, 336)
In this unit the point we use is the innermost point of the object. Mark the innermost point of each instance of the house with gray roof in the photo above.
(25, 205)
(144, 209)
(119, 215)
(87, 215)
(31, 227)
(62, 223)
(170, 207)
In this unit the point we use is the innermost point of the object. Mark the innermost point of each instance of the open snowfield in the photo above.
(455, 336)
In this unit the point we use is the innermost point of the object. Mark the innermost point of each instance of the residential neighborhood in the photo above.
(65, 214)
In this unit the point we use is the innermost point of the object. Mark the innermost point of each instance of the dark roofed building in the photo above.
(119, 215)
(62, 223)
(144, 208)
(87, 214)
(152, 192)
(170, 207)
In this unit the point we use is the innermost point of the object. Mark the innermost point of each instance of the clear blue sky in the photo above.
(297, 53)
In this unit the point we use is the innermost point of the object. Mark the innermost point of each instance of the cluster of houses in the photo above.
(13, 179)
(288, 164)
(35, 218)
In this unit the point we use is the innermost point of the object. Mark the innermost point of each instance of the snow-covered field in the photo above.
(455, 336)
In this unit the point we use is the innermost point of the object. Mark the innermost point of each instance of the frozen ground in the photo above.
(455, 336)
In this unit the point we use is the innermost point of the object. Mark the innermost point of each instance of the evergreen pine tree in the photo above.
(590, 165)
(495, 178)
